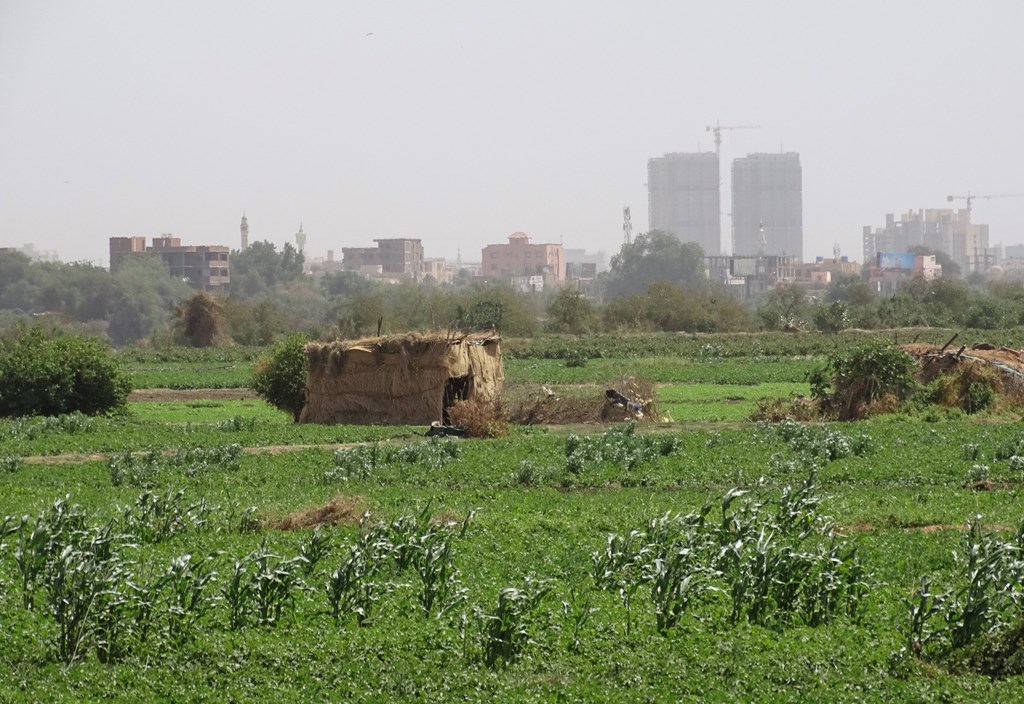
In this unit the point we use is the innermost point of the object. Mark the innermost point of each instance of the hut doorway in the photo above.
(455, 389)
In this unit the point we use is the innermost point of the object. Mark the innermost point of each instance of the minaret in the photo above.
(245, 232)
(300, 238)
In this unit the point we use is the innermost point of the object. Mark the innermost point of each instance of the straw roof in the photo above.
(398, 379)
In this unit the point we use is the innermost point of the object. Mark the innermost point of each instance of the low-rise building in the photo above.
(520, 258)
(749, 277)
(398, 258)
(202, 266)
(891, 270)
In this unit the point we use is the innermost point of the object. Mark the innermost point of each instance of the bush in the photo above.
(481, 419)
(853, 381)
(280, 375)
(46, 375)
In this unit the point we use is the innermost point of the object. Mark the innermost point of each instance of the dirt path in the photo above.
(159, 395)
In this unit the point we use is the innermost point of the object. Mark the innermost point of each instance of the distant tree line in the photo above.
(655, 283)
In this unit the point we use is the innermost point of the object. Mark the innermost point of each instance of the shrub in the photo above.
(280, 375)
(971, 388)
(42, 375)
(852, 381)
(481, 419)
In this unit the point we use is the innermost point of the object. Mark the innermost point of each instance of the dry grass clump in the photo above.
(968, 386)
(552, 409)
(481, 419)
(557, 410)
(342, 509)
(776, 410)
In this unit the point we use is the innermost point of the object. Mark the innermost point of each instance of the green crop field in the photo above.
(151, 554)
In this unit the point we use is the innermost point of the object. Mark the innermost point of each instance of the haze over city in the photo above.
(460, 122)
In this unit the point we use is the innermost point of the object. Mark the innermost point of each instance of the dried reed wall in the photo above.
(396, 380)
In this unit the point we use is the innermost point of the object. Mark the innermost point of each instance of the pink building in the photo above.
(519, 258)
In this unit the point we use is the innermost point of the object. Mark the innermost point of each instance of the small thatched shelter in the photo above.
(404, 379)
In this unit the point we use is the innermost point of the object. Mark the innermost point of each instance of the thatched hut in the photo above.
(406, 379)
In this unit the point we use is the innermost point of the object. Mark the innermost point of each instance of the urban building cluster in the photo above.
(765, 239)
(525, 265)
(684, 199)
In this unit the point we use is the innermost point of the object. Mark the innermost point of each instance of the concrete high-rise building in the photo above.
(684, 195)
(767, 205)
(939, 230)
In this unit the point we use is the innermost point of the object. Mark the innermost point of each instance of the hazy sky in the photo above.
(462, 122)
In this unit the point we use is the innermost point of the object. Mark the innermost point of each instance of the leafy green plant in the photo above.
(135, 469)
(9, 464)
(620, 445)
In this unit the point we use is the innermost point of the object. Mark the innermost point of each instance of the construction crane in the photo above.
(717, 128)
(968, 199)
(971, 196)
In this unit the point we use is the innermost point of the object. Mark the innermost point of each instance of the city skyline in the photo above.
(460, 123)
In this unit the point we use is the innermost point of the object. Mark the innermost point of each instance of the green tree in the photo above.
(497, 306)
(570, 312)
(831, 317)
(260, 267)
(146, 296)
(654, 256)
(255, 323)
(784, 307)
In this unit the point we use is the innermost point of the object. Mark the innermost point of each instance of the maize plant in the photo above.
(353, 588)
(154, 517)
(40, 541)
(577, 610)
(440, 587)
(314, 550)
(237, 593)
(274, 581)
(505, 632)
(82, 591)
(992, 571)
(183, 595)
(619, 568)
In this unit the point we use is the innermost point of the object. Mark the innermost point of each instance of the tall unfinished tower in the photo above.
(684, 199)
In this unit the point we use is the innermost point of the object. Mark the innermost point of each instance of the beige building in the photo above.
(749, 277)
(399, 258)
(202, 266)
(520, 259)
